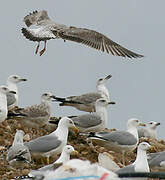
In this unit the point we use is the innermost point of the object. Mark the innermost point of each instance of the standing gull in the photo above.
(96, 121)
(36, 115)
(18, 154)
(54, 142)
(149, 130)
(119, 141)
(86, 102)
(47, 29)
(140, 164)
(12, 99)
(3, 102)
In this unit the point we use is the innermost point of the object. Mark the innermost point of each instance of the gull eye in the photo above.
(4, 88)
(137, 121)
(70, 122)
(150, 123)
(103, 101)
(45, 94)
(100, 79)
(15, 77)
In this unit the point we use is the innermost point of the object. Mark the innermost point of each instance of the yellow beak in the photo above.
(142, 124)
(75, 129)
(75, 153)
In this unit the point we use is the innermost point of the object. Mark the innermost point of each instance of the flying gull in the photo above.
(35, 116)
(12, 99)
(149, 130)
(47, 29)
(96, 121)
(140, 164)
(119, 141)
(3, 102)
(86, 102)
(54, 142)
(18, 154)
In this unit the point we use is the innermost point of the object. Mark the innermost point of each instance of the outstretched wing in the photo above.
(36, 18)
(95, 40)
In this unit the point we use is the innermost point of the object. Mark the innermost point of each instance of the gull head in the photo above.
(5, 90)
(47, 96)
(15, 79)
(102, 102)
(68, 149)
(144, 146)
(152, 124)
(134, 122)
(102, 81)
(67, 122)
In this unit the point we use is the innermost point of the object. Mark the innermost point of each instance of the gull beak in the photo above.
(75, 153)
(53, 98)
(75, 129)
(23, 79)
(142, 124)
(157, 124)
(12, 92)
(111, 102)
(108, 77)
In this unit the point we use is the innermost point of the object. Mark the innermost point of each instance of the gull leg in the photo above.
(47, 159)
(43, 50)
(123, 157)
(37, 48)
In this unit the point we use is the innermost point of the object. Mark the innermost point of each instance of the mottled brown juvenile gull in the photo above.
(157, 160)
(12, 99)
(96, 121)
(35, 116)
(140, 164)
(86, 102)
(3, 102)
(18, 154)
(149, 130)
(54, 142)
(47, 29)
(119, 141)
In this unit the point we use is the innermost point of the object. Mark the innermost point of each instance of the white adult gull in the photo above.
(35, 116)
(54, 142)
(96, 121)
(140, 164)
(3, 102)
(119, 141)
(86, 102)
(12, 99)
(149, 130)
(47, 29)
(64, 157)
(18, 154)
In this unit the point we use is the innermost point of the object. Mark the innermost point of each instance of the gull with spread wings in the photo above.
(48, 29)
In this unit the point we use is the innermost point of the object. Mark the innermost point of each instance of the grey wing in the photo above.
(85, 98)
(87, 120)
(10, 99)
(157, 159)
(43, 144)
(36, 18)
(126, 169)
(16, 151)
(47, 167)
(121, 137)
(95, 40)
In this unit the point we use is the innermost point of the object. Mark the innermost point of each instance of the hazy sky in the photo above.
(69, 68)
